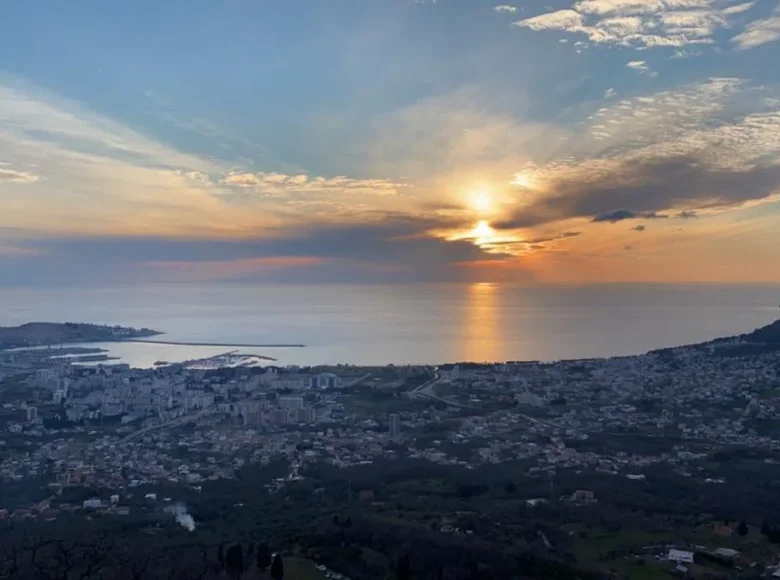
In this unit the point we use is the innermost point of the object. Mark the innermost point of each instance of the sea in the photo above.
(403, 324)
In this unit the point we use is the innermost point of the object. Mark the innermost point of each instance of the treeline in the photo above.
(88, 553)
(414, 551)
(359, 547)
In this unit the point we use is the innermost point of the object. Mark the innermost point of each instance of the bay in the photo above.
(405, 324)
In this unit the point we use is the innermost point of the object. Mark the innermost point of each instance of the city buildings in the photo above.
(394, 422)
(291, 402)
(324, 381)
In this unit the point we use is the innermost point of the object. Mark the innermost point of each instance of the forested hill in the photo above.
(767, 335)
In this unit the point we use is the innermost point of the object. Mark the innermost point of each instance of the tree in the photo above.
(234, 561)
(742, 529)
(263, 556)
(277, 568)
(774, 536)
(404, 570)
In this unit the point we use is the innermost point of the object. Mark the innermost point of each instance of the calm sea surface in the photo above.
(405, 323)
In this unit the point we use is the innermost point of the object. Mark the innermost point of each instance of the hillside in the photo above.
(769, 334)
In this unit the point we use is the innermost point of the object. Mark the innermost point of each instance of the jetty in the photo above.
(217, 344)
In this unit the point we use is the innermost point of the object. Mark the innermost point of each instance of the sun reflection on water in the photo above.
(482, 329)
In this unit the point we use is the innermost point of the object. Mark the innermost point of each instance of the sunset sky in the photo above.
(389, 140)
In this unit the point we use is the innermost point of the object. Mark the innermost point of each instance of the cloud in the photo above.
(505, 8)
(738, 8)
(558, 20)
(759, 32)
(644, 23)
(650, 187)
(100, 175)
(708, 147)
(17, 176)
(620, 215)
(539, 243)
(609, 93)
(388, 248)
(280, 184)
(687, 215)
(641, 67)
(103, 177)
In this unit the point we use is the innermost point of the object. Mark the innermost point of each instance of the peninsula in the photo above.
(50, 333)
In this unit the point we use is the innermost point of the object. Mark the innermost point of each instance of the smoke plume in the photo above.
(183, 517)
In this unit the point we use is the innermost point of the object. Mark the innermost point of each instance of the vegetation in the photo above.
(420, 520)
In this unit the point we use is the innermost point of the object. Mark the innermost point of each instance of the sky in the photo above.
(389, 140)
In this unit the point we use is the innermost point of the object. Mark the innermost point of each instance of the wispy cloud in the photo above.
(760, 32)
(671, 153)
(93, 174)
(455, 137)
(505, 8)
(644, 23)
(9, 175)
(282, 184)
(641, 67)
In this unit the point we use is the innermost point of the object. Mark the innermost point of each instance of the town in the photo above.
(138, 433)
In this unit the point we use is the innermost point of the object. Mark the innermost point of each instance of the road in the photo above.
(171, 423)
(426, 389)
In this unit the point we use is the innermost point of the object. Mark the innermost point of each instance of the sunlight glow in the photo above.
(483, 233)
(523, 180)
(482, 202)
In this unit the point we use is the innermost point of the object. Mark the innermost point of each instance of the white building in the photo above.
(680, 556)
(324, 381)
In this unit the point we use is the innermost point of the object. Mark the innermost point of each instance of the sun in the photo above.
(483, 233)
(482, 202)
